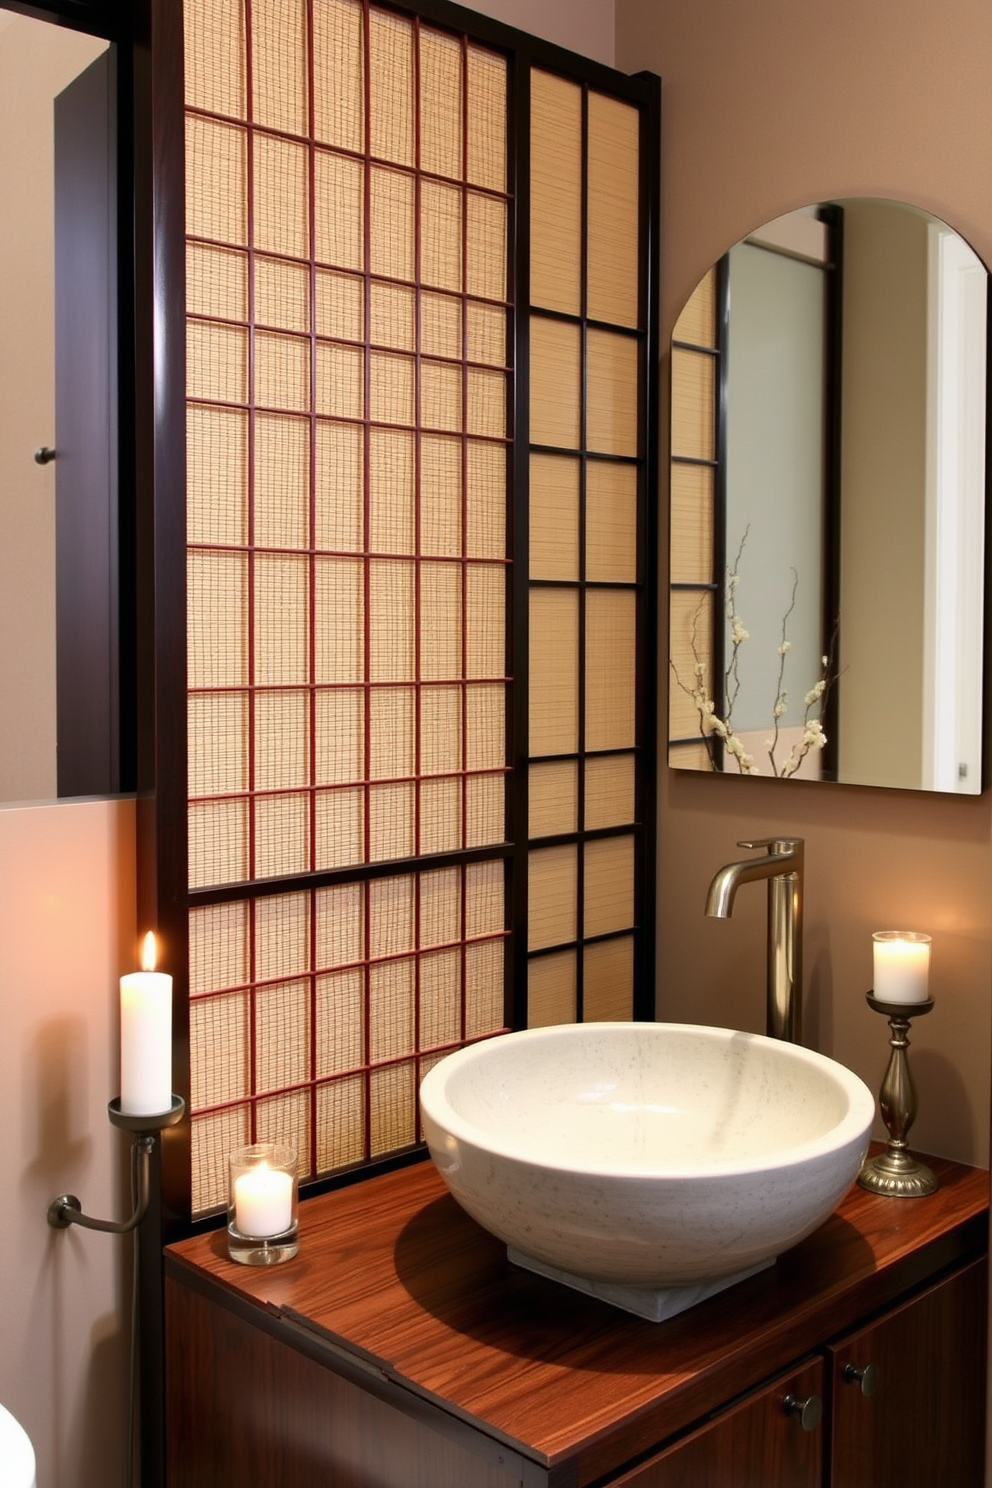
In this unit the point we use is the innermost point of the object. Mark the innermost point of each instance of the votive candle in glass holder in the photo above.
(901, 966)
(261, 1208)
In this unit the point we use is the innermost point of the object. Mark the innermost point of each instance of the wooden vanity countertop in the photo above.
(393, 1278)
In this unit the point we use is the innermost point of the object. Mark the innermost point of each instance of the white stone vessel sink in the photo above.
(648, 1163)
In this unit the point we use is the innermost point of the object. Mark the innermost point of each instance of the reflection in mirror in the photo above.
(59, 630)
(828, 497)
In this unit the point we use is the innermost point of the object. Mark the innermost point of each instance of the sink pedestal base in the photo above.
(654, 1303)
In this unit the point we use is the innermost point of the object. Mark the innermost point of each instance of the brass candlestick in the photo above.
(895, 1172)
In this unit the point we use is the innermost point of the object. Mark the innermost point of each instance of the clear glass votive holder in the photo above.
(263, 1193)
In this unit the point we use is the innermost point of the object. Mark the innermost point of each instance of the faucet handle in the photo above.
(774, 844)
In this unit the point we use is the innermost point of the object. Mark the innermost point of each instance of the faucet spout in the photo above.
(782, 867)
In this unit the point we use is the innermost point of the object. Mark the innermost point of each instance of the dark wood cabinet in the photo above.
(765, 1441)
(920, 1422)
(400, 1349)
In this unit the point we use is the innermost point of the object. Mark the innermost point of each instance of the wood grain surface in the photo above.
(394, 1279)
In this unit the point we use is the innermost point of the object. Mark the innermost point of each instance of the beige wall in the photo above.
(36, 62)
(67, 930)
(768, 106)
(584, 26)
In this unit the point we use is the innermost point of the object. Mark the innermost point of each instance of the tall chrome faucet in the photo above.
(782, 866)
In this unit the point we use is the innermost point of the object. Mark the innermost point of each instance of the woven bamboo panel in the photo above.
(281, 196)
(339, 210)
(391, 87)
(552, 902)
(556, 193)
(610, 791)
(217, 362)
(392, 224)
(348, 386)
(216, 281)
(611, 669)
(690, 756)
(555, 384)
(553, 801)
(218, 743)
(297, 997)
(608, 981)
(339, 469)
(554, 671)
(554, 517)
(486, 228)
(215, 56)
(217, 476)
(282, 294)
(693, 404)
(393, 316)
(441, 84)
(485, 492)
(691, 616)
(280, 74)
(609, 885)
(612, 396)
(487, 111)
(551, 990)
(216, 181)
(613, 279)
(611, 522)
(692, 518)
(339, 74)
(697, 322)
(217, 647)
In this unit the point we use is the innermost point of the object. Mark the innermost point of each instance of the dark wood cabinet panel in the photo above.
(923, 1424)
(245, 1408)
(756, 1444)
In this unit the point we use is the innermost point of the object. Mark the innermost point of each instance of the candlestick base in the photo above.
(269, 1250)
(897, 1175)
(895, 1172)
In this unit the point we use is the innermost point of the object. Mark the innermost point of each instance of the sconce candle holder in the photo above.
(66, 1210)
(895, 1172)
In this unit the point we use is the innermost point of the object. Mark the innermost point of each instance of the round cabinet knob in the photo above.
(867, 1377)
(807, 1412)
(44, 454)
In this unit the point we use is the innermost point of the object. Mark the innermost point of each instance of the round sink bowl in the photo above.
(646, 1154)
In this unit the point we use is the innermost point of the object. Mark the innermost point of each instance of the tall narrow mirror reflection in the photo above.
(61, 636)
(828, 499)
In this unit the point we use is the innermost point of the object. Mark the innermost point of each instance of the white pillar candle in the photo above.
(263, 1202)
(901, 965)
(146, 1038)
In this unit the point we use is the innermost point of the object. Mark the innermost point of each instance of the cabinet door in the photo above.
(758, 1443)
(922, 1422)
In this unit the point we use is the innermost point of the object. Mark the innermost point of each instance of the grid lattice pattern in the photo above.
(586, 478)
(314, 1014)
(347, 298)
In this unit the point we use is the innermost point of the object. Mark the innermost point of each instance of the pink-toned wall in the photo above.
(768, 106)
(584, 26)
(67, 931)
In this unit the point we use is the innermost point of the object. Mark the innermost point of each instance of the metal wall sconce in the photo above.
(66, 1210)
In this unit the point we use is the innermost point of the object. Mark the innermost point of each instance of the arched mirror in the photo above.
(828, 500)
(66, 616)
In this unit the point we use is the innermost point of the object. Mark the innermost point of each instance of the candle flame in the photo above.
(149, 952)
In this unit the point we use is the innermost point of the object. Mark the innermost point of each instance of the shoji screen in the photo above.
(371, 696)
(697, 557)
(588, 461)
(347, 219)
